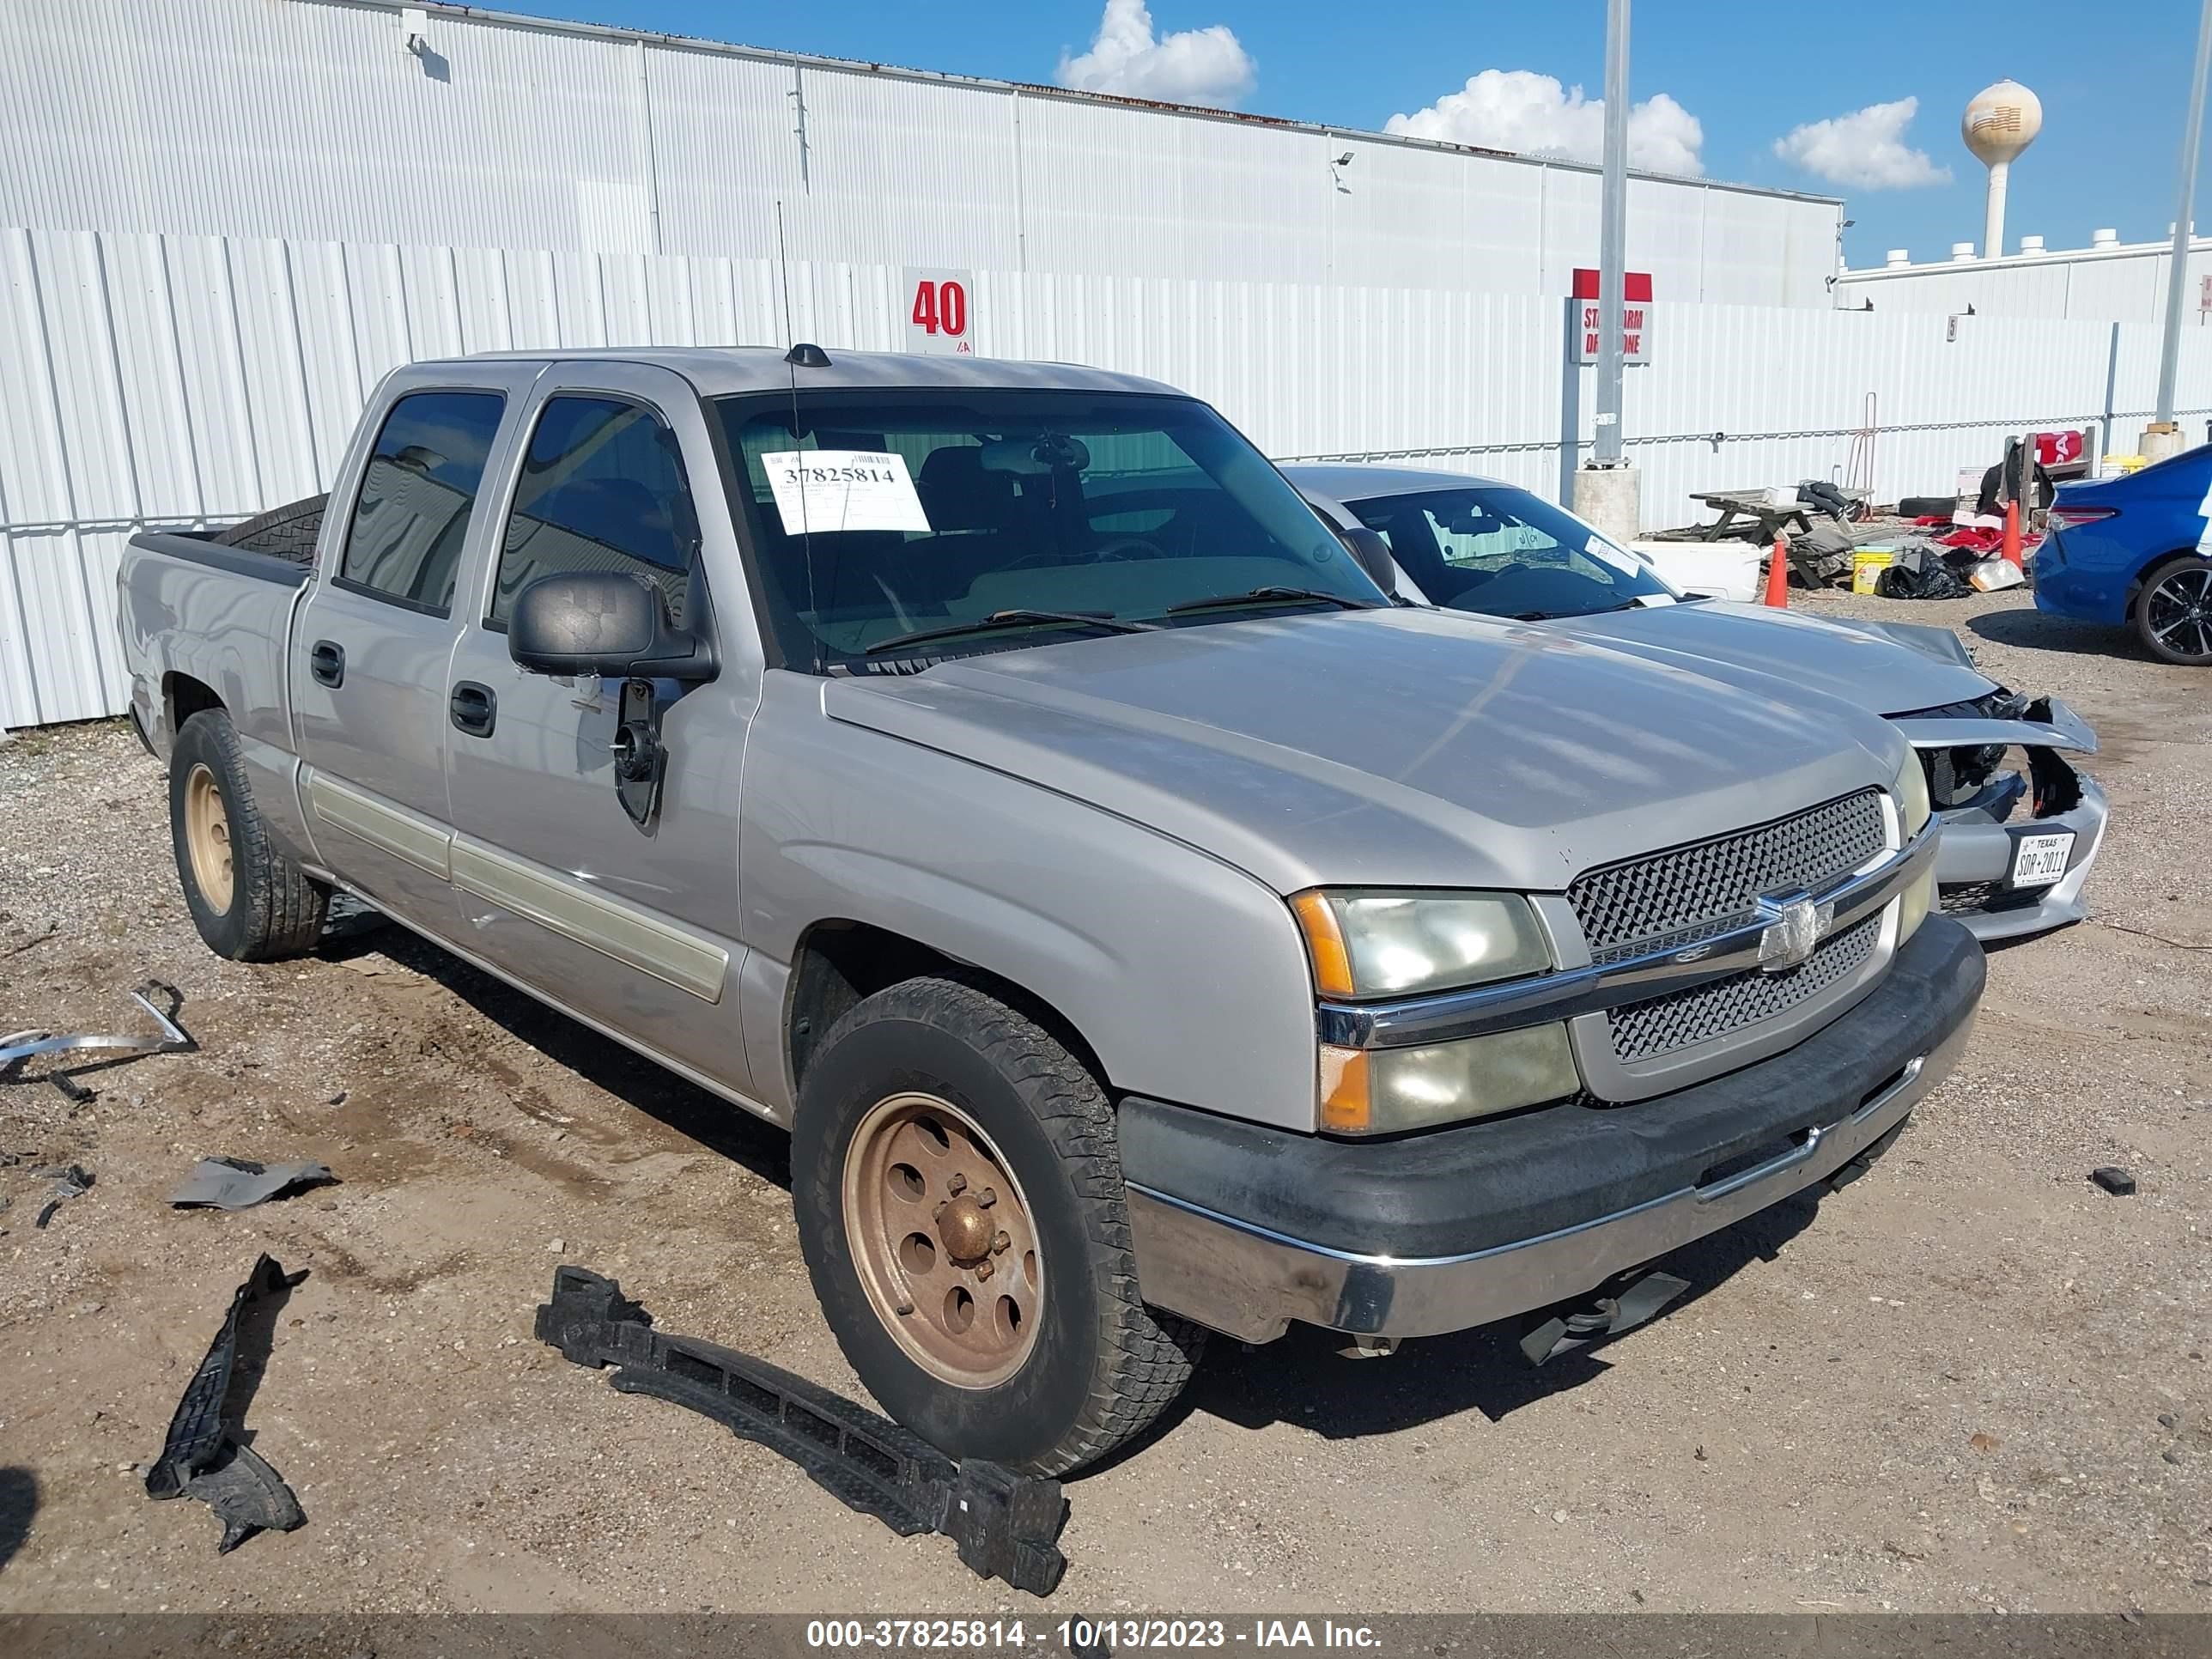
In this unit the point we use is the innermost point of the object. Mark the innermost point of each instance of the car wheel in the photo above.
(2173, 612)
(958, 1192)
(249, 903)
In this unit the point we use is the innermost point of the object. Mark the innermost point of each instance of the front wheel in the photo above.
(2173, 612)
(958, 1192)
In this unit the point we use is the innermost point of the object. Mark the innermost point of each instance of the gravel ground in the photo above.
(1970, 1380)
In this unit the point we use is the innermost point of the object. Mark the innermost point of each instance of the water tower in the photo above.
(2001, 121)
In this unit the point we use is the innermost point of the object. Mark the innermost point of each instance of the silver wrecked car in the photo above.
(2021, 825)
(995, 774)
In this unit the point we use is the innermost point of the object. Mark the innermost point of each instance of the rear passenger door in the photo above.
(370, 648)
(634, 925)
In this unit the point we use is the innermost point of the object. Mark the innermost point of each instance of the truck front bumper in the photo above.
(1244, 1228)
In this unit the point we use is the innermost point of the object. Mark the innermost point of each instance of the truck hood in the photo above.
(1889, 668)
(1399, 747)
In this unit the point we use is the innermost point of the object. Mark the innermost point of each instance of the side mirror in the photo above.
(1374, 555)
(603, 622)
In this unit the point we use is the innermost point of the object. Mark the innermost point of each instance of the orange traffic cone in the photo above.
(2012, 533)
(1778, 574)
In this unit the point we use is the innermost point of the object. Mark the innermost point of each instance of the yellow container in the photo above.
(1866, 565)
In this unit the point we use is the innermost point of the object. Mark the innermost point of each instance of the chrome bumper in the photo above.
(1248, 1282)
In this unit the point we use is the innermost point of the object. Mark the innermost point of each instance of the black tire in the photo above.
(1102, 1366)
(273, 910)
(2168, 592)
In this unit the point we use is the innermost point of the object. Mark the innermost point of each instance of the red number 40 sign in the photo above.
(937, 312)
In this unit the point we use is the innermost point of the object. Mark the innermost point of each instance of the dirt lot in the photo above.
(1971, 1381)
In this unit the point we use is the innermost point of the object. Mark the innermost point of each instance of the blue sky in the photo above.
(1737, 77)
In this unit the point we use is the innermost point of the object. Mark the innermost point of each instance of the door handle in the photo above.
(326, 662)
(474, 708)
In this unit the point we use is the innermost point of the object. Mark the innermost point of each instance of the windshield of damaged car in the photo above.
(880, 515)
(1504, 552)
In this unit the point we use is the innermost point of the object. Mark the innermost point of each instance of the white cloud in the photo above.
(1191, 66)
(1864, 149)
(1534, 115)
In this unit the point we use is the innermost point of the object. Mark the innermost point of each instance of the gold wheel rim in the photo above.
(943, 1239)
(207, 838)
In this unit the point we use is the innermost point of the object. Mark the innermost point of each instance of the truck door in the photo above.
(371, 646)
(632, 925)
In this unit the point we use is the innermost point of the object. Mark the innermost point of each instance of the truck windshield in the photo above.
(990, 519)
(1504, 552)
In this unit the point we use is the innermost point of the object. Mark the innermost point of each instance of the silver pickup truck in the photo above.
(997, 773)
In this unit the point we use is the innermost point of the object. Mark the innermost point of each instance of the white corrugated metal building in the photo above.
(221, 220)
(2110, 280)
(307, 120)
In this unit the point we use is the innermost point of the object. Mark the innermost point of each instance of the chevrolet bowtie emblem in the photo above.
(1798, 925)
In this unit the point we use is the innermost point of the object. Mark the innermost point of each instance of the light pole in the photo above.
(1608, 491)
(2162, 437)
(1613, 232)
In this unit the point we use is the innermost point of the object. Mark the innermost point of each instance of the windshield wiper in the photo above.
(1013, 618)
(1560, 616)
(1267, 596)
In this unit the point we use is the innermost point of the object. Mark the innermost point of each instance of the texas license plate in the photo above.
(2039, 860)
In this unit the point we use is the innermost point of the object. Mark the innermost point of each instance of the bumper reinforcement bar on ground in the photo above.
(1006, 1525)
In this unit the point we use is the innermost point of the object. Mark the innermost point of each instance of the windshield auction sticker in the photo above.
(822, 491)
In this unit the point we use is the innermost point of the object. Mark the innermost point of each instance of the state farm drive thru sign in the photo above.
(1635, 317)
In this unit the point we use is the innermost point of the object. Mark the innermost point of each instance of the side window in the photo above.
(602, 489)
(417, 497)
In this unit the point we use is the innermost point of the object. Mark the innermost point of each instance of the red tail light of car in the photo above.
(2073, 518)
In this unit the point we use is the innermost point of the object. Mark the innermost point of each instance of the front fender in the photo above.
(1186, 976)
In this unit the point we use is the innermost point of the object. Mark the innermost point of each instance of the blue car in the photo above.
(2130, 552)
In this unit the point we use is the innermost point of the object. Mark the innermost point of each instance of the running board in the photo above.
(1006, 1525)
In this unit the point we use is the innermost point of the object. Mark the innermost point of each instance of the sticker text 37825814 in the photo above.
(822, 491)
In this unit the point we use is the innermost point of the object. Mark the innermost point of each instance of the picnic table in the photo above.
(1773, 518)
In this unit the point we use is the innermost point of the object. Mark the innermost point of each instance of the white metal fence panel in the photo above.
(190, 380)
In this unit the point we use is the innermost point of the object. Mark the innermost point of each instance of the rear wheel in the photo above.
(958, 1191)
(2173, 612)
(249, 903)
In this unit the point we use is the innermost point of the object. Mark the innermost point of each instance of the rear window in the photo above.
(878, 514)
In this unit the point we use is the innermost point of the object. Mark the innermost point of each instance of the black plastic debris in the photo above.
(239, 1184)
(2114, 1179)
(206, 1454)
(1006, 1525)
(71, 1181)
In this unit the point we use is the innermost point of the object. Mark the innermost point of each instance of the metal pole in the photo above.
(1613, 235)
(2177, 279)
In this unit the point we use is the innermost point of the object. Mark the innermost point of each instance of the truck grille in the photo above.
(1694, 890)
(1680, 1019)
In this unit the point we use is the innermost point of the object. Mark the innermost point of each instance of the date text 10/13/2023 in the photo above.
(1086, 1635)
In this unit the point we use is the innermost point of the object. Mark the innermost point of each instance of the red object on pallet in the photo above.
(1778, 574)
(2012, 534)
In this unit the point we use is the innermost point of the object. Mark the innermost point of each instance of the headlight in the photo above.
(1911, 791)
(1367, 944)
(1384, 1090)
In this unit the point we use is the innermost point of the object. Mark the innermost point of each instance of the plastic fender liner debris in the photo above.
(2113, 1179)
(71, 1181)
(239, 1184)
(205, 1455)
(170, 1039)
(1006, 1525)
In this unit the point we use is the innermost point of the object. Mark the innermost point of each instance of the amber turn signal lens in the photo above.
(1332, 963)
(1344, 1105)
